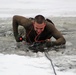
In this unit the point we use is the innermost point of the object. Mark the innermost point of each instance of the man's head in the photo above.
(39, 24)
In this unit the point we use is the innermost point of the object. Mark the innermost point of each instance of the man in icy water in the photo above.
(38, 31)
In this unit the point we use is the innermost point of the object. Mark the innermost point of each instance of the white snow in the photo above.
(34, 7)
(25, 65)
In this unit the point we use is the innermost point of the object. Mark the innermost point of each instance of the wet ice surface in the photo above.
(64, 60)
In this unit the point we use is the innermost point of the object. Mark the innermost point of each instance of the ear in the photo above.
(45, 24)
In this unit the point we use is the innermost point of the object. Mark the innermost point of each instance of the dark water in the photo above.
(66, 25)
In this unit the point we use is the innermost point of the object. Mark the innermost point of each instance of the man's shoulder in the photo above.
(49, 23)
(48, 20)
(20, 18)
(50, 26)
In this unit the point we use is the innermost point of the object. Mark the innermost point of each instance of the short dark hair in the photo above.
(39, 19)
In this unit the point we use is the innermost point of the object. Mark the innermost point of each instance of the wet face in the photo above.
(39, 27)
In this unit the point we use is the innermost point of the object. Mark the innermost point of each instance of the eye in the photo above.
(37, 28)
(41, 28)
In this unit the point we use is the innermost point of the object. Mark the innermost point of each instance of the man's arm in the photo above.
(57, 35)
(19, 20)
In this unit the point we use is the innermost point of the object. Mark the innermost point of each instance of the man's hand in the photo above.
(19, 38)
(49, 43)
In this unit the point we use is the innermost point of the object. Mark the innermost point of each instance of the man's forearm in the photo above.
(15, 26)
(60, 41)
